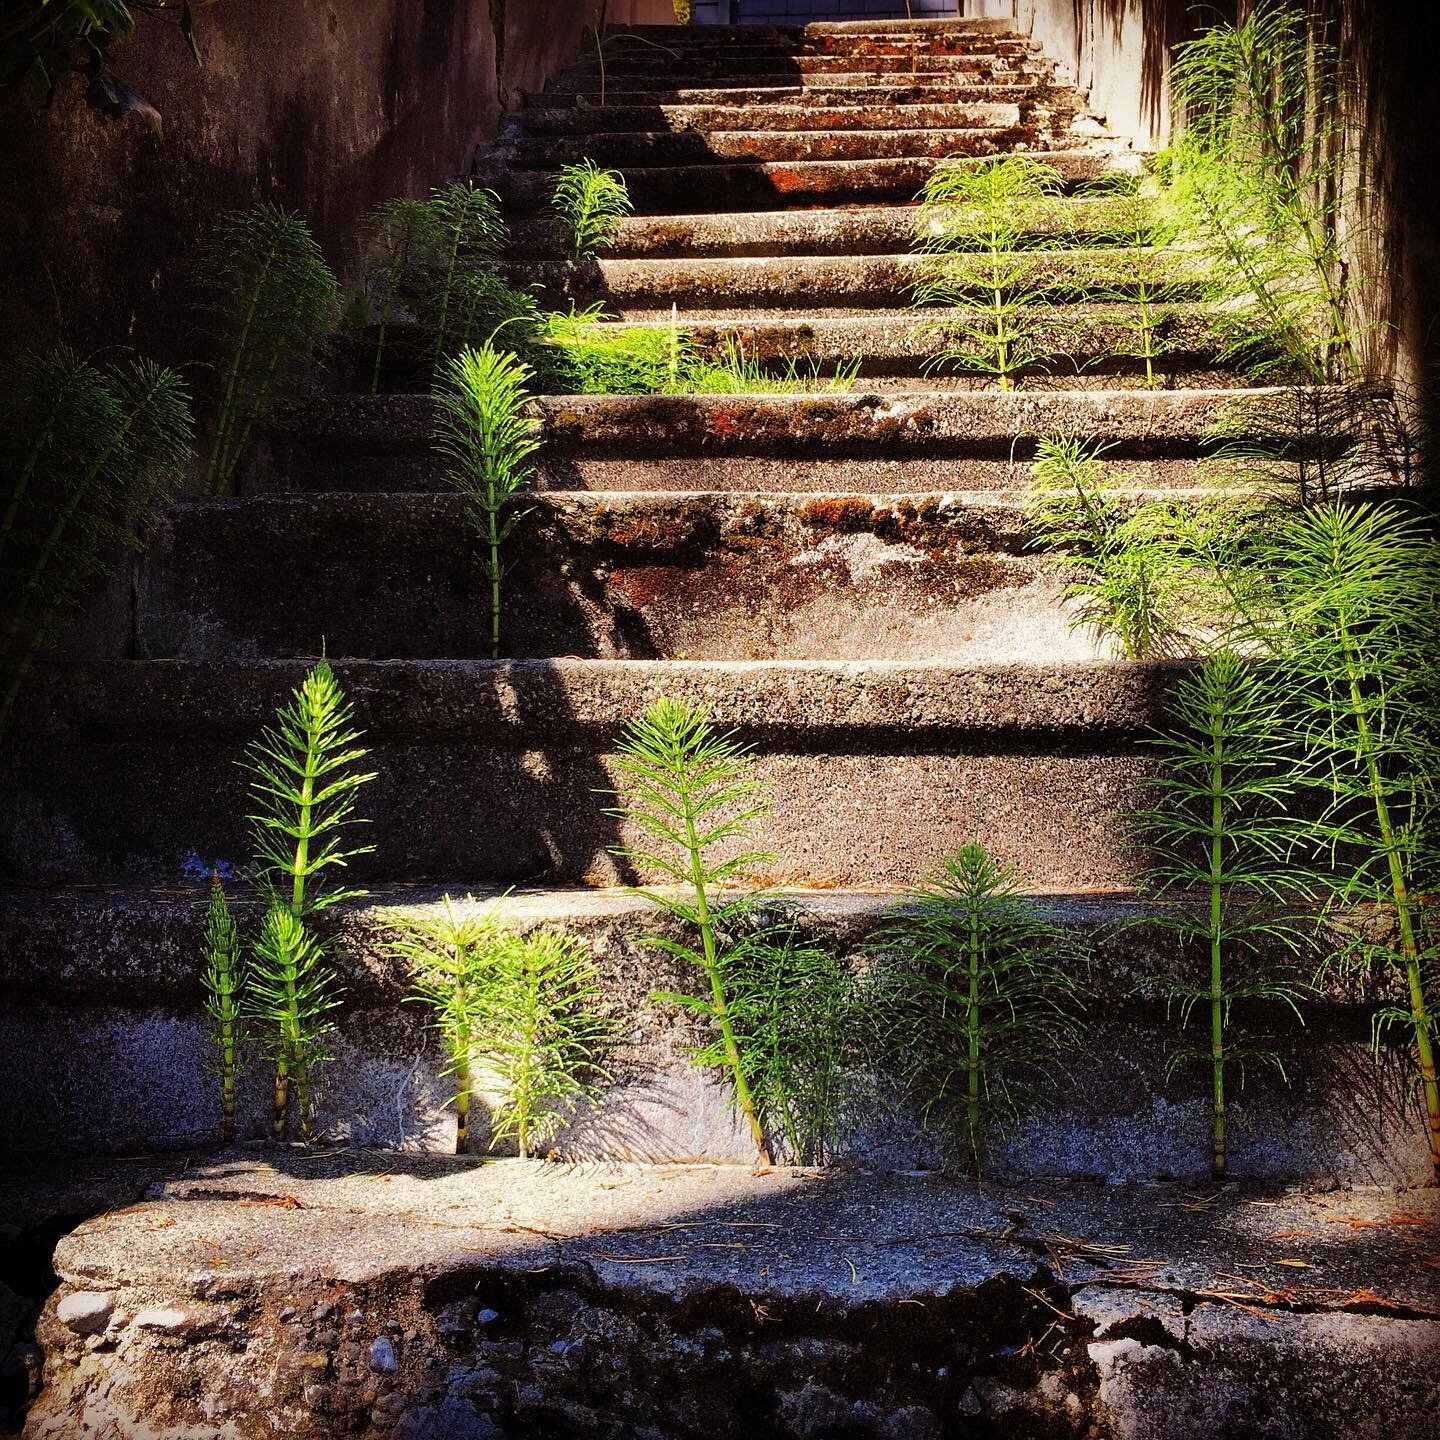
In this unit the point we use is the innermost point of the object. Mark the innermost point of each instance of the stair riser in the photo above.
(842, 93)
(864, 48)
(634, 71)
(490, 773)
(703, 578)
(694, 147)
(714, 288)
(611, 120)
(133, 1070)
(677, 189)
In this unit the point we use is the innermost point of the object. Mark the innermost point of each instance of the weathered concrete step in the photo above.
(633, 70)
(710, 289)
(870, 443)
(85, 973)
(462, 1300)
(761, 185)
(895, 90)
(119, 769)
(687, 45)
(1082, 341)
(725, 35)
(871, 230)
(609, 120)
(698, 147)
(694, 577)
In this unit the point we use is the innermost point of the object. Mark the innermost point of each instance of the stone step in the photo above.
(691, 577)
(722, 36)
(878, 443)
(634, 71)
(451, 1300)
(713, 289)
(686, 45)
(872, 230)
(623, 119)
(720, 147)
(97, 979)
(495, 771)
(839, 93)
(769, 185)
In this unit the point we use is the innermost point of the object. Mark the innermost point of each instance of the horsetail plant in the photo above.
(1353, 592)
(794, 1007)
(982, 997)
(304, 783)
(225, 998)
(467, 235)
(977, 223)
(1219, 832)
(590, 202)
(271, 300)
(484, 433)
(690, 792)
(87, 452)
(543, 1035)
(452, 958)
(400, 233)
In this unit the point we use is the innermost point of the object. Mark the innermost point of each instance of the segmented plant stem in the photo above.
(1217, 992)
(460, 1043)
(972, 1026)
(219, 445)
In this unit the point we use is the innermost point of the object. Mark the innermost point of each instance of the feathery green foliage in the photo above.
(452, 956)
(976, 220)
(794, 1009)
(85, 452)
(543, 1036)
(1133, 568)
(224, 982)
(304, 784)
(433, 260)
(982, 997)
(692, 796)
(270, 300)
(590, 201)
(1354, 592)
(484, 433)
(1140, 231)
(1220, 831)
(736, 372)
(1254, 179)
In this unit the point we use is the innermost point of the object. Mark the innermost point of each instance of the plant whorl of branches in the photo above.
(591, 202)
(452, 956)
(1220, 832)
(1254, 179)
(270, 300)
(86, 452)
(977, 223)
(542, 1034)
(1353, 592)
(484, 433)
(692, 796)
(304, 784)
(982, 997)
(225, 998)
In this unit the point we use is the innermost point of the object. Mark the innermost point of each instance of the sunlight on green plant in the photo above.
(591, 202)
(1140, 232)
(1351, 624)
(225, 998)
(738, 372)
(87, 453)
(977, 222)
(981, 999)
(543, 1035)
(1220, 832)
(399, 235)
(270, 300)
(692, 796)
(483, 431)
(1254, 180)
(794, 1009)
(304, 784)
(452, 957)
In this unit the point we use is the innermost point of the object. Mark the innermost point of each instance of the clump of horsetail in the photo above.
(304, 783)
(269, 302)
(590, 202)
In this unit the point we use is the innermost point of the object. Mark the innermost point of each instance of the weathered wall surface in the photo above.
(323, 107)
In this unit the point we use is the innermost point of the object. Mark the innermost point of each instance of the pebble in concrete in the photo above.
(87, 1312)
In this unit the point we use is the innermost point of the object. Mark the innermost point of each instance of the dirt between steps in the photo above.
(345, 1294)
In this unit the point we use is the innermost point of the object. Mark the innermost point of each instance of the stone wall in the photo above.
(327, 108)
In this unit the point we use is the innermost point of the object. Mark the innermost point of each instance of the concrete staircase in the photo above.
(846, 579)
